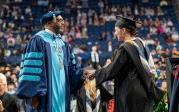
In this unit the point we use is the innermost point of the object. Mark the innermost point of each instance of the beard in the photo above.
(58, 30)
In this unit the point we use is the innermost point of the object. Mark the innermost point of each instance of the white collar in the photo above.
(49, 31)
(52, 33)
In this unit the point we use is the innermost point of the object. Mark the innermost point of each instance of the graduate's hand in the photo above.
(108, 61)
(1, 106)
(35, 102)
(164, 86)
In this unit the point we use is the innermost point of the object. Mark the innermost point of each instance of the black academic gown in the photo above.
(9, 102)
(134, 91)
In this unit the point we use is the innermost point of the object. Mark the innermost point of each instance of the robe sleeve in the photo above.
(32, 76)
(75, 72)
(112, 70)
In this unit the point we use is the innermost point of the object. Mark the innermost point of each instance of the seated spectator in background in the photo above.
(7, 101)
(175, 36)
(110, 46)
(175, 52)
(2, 62)
(163, 3)
(11, 87)
(42, 2)
(95, 58)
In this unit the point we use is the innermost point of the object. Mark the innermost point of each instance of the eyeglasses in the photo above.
(60, 20)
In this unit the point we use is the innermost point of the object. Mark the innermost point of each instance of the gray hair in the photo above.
(3, 77)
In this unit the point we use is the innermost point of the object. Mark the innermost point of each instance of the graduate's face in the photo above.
(119, 33)
(59, 24)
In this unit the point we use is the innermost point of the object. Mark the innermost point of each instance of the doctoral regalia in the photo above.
(48, 69)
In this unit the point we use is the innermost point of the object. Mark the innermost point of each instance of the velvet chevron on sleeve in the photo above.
(32, 77)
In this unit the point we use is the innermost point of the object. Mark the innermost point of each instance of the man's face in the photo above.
(59, 24)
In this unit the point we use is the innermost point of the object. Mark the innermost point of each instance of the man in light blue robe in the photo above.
(49, 70)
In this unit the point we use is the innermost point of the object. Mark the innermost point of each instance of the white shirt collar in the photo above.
(52, 33)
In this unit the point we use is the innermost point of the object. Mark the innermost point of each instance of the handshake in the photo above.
(88, 73)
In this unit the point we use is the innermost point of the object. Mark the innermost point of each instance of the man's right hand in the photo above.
(35, 102)
(1, 106)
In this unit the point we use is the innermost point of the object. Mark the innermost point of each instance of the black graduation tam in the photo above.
(123, 22)
(49, 16)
